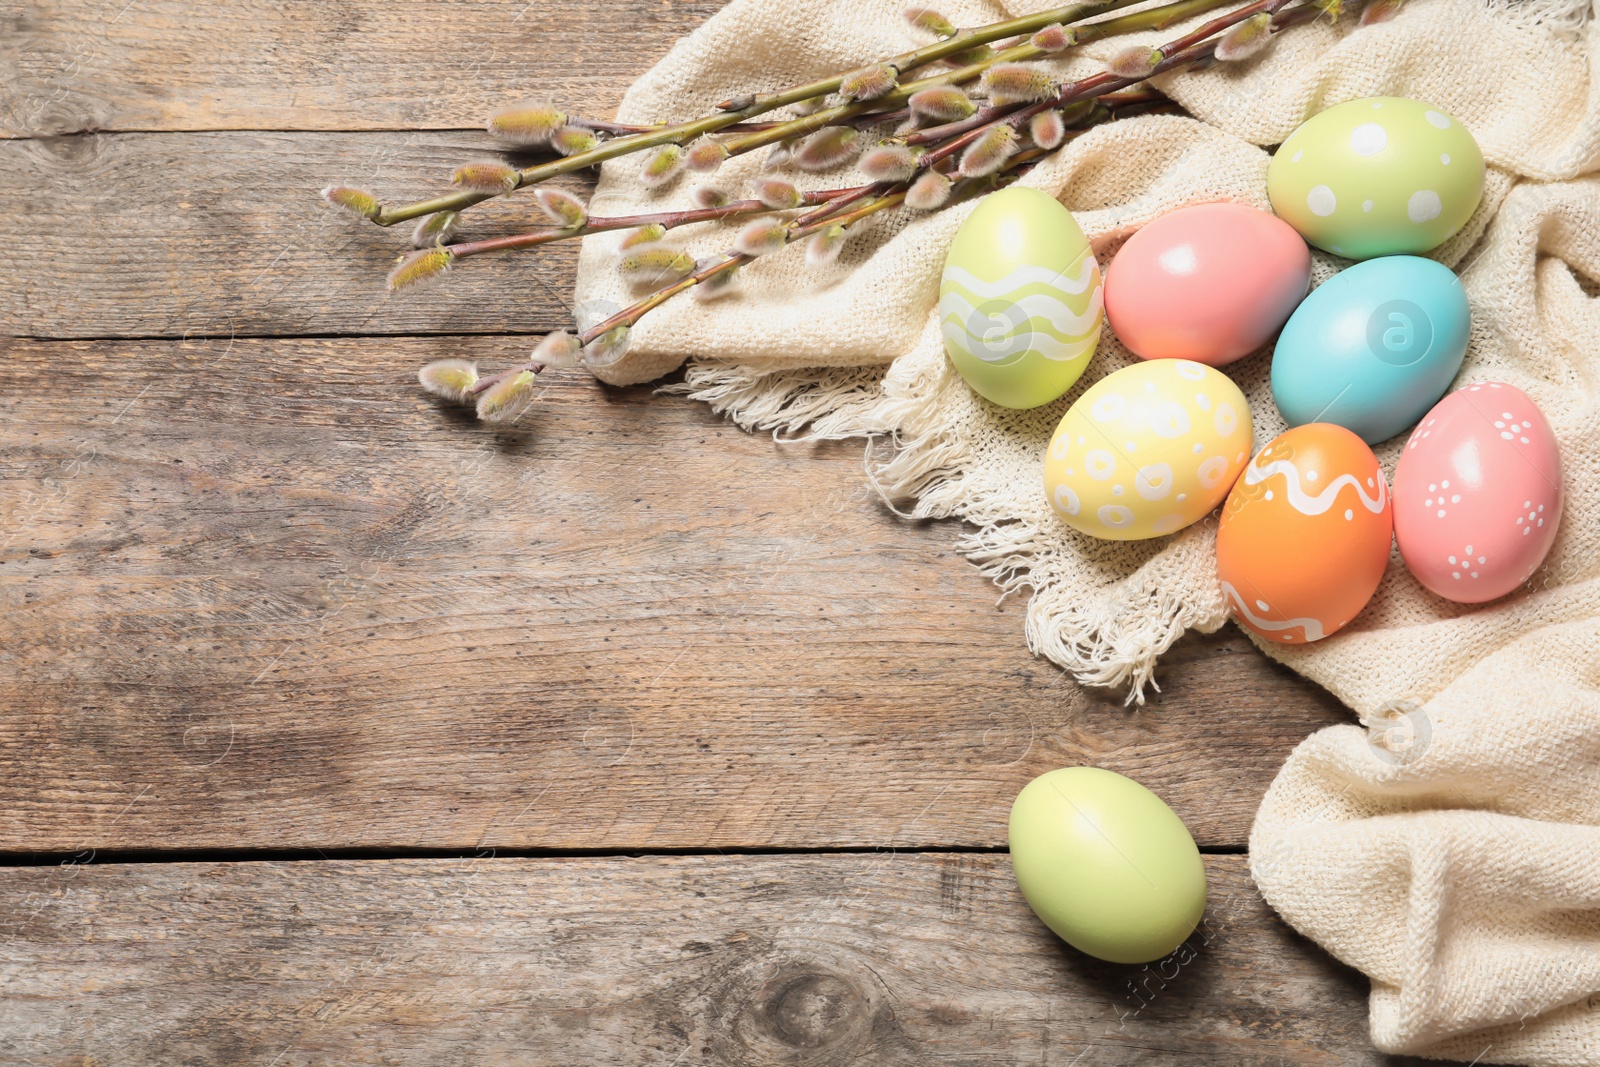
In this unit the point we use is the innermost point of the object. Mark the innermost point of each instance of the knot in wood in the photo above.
(814, 1010)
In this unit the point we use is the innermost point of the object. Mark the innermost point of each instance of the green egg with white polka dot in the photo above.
(1377, 177)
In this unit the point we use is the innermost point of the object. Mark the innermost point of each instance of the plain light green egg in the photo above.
(1019, 300)
(1377, 177)
(1106, 864)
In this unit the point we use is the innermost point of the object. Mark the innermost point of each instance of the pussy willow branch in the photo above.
(1156, 18)
(915, 165)
(668, 219)
(678, 134)
(631, 315)
(869, 110)
(804, 225)
(1196, 46)
(629, 128)
(889, 195)
(1122, 104)
(1193, 46)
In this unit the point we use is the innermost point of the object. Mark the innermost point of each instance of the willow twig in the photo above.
(1196, 45)
(758, 105)
(833, 202)
(1153, 18)
(812, 222)
(1022, 114)
(668, 219)
(815, 218)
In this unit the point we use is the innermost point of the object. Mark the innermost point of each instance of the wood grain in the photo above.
(258, 593)
(886, 959)
(267, 594)
(225, 234)
(272, 534)
(81, 65)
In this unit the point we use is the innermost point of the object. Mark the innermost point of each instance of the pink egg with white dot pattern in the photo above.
(1477, 493)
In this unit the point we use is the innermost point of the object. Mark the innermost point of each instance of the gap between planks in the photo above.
(103, 857)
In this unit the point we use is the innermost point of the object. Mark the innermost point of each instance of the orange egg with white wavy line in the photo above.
(1304, 536)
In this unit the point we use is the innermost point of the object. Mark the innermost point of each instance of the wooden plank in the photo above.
(82, 65)
(887, 959)
(266, 594)
(225, 234)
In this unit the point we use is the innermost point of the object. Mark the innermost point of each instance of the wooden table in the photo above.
(340, 729)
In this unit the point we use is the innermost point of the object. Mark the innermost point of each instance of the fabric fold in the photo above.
(1450, 851)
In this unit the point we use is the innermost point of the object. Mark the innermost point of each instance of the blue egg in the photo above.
(1372, 348)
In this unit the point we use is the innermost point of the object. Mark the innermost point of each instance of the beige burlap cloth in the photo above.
(1451, 848)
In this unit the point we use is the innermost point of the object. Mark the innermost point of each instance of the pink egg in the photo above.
(1477, 493)
(1211, 283)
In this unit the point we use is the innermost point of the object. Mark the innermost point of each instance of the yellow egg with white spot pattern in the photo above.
(1148, 450)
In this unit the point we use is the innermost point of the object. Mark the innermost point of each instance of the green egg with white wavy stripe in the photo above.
(1019, 300)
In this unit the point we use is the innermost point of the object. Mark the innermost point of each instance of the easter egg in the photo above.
(1211, 283)
(1377, 177)
(1372, 348)
(1304, 537)
(1477, 493)
(1019, 300)
(1147, 450)
(1106, 864)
